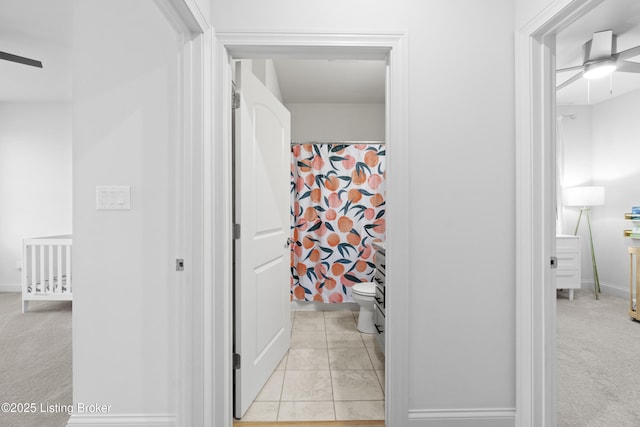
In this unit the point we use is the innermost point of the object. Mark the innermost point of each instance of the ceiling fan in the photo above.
(20, 59)
(600, 59)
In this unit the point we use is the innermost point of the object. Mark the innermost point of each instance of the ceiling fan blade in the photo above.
(574, 68)
(20, 59)
(600, 46)
(569, 81)
(629, 53)
(628, 66)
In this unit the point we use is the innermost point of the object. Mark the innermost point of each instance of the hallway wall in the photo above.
(125, 125)
(461, 196)
(337, 122)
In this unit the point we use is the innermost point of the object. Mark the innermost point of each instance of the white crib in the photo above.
(46, 269)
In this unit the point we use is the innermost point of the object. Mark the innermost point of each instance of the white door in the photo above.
(262, 302)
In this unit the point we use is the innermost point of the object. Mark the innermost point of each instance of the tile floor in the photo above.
(332, 372)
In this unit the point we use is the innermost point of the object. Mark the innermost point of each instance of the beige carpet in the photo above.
(35, 360)
(598, 353)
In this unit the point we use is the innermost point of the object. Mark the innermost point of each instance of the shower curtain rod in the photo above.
(336, 142)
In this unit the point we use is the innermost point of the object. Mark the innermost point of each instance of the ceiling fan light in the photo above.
(601, 69)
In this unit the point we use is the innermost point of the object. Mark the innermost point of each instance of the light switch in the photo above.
(109, 197)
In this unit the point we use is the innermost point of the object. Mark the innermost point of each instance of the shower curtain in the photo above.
(337, 212)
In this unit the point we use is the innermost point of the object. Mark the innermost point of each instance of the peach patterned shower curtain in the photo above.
(338, 207)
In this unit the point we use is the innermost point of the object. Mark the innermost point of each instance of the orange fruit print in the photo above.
(338, 211)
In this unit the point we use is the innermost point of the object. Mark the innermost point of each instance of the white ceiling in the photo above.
(41, 30)
(621, 16)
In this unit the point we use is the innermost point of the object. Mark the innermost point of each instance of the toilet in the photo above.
(364, 294)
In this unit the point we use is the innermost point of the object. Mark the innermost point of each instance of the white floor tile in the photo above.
(307, 386)
(262, 411)
(336, 314)
(349, 359)
(344, 339)
(304, 389)
(283, 363)
(360, 410)
(308, 359)
(309, 315)
(308, 323)
(340, 324)
(369, 339)
(377, 357)
(306, 411)
(380, 374)
(308, 339)
(272, 390)
(356, 385)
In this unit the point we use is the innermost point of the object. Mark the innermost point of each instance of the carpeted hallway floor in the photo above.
(598, 353)
(35, 361)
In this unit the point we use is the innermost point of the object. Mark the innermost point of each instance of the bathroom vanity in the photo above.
(380, 281)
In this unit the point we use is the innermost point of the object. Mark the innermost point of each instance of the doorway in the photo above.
(535, 205)
(334, 161)
(382, 47)
(595, 146)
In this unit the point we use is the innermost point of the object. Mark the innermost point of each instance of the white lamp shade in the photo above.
(584, 196)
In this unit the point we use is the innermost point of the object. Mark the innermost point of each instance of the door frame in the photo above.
(191, 234)
(238, 45)
(535, 211)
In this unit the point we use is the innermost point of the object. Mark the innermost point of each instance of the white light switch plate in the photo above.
(113, 197)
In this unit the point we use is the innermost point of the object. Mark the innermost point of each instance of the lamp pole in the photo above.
(596, 279)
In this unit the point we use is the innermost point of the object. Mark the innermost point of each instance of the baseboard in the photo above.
(608, 289)
(611, 289)
(469, 417)
(10, 288)
(122, 420)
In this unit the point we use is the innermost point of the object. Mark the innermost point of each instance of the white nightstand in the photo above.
(568, 271)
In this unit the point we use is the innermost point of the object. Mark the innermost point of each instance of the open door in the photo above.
(261, 289)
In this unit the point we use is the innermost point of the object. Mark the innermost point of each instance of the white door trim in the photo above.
(378, 45)
(535, 211)
(192, 232)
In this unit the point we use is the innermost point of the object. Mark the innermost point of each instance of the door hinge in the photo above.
(553, 262)
(180, 264)
(235, 99)
(236, 231)
(236, 361)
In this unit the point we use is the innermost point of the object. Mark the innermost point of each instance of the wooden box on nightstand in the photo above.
(568, 271)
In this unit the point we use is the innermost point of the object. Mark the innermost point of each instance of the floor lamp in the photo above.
(586, 197)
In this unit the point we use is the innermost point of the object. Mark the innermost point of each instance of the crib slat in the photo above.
(33, 269)
(68, 269)
(24, 273)
(59, 269)
(52, 288)
(42, 274)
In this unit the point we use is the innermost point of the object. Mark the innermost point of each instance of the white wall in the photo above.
(462, 314)
(265, 71)
(576, 144)
(125, 128)
(616, 152)
(574, 138)
(526, 10)
(35, 179)
(337, 122)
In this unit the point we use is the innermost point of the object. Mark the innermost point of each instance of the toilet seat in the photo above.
(366, 289)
